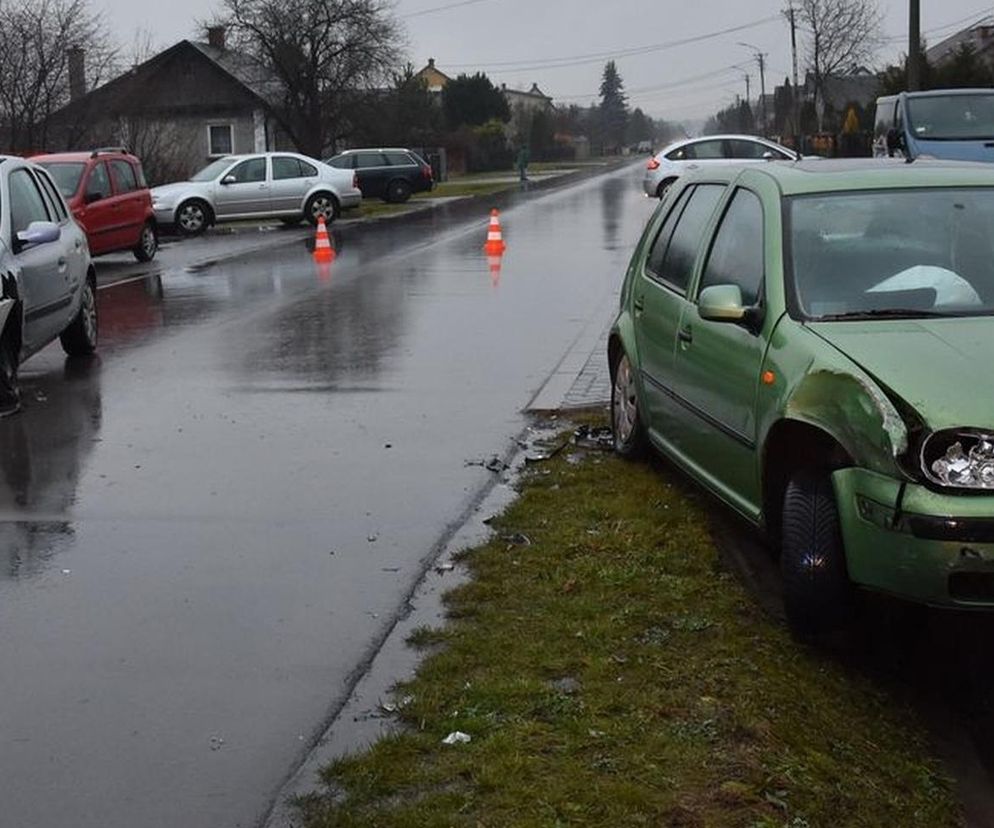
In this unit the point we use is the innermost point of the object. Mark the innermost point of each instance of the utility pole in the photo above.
(914, 46)
(797, 92)
(748, 89)
(761, 60)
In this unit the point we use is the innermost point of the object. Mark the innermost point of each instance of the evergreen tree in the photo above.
(613, 108)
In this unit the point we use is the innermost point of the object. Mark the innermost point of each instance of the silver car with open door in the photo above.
(47, 282)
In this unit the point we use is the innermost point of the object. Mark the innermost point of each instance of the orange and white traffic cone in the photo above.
(323, 251)
(495, 237)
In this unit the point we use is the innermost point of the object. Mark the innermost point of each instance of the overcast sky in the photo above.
(515, 42)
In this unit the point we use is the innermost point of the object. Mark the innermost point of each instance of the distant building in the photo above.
(524, 106)
(979, 36)
(186, 105)
(435, 80)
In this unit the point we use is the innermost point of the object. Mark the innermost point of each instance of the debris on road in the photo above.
(517, 539)
(216, 743)
(441, 569)
(457, 738)
(568, 686)
(599, 438)
(493, 464)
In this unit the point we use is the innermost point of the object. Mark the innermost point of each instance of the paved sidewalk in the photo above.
(592, 387)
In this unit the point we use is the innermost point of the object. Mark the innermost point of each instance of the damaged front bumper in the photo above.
(912, 541)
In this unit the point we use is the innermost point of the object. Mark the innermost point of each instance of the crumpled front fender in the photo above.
(853, 410)
(6, 306)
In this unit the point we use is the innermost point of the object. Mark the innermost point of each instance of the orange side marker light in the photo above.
(769, 378)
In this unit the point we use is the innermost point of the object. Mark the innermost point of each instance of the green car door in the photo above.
(660, 294)
(717, 365)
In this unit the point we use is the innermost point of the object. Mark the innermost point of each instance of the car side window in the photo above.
(654, 262)
(737, 254)
(681, 254)
(98, 185)
(26, 202)
(752, 149)
(249, 172)
(709, 150)
(55, 200)
(307, 170)
(343, 163)
(370, 159)
(682, 154)
(125, 180)
(399, 159)
(285, 167)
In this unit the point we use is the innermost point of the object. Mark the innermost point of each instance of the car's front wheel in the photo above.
(192, 217)
(626, 422)
(398, 191)
(10, 393)
(148, 243)
(80, 338)
(817, 592)
(321, 205)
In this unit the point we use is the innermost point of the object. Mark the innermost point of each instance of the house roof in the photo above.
(979, 35)
(126, 91)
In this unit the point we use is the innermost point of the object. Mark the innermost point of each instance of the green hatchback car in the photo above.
(814, 343)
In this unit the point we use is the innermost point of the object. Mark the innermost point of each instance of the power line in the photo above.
(595, 57)
(658, 87)
(446, 7)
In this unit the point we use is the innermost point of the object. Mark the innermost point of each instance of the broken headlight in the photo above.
(962, 459)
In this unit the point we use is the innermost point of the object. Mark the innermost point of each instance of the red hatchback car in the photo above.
(108, 196)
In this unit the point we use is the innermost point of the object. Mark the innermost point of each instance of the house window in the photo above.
(220, 139)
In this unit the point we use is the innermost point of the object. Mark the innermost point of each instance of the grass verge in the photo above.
(611, 674)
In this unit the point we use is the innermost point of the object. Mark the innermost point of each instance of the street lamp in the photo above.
(761, 59)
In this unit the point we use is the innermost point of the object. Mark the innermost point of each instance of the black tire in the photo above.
(817, 592)
(398, 191)
(148, 243)
(10, 391)
(626, 421)
(664, 188)
(80, 338)
(321, 204)
(193, 217)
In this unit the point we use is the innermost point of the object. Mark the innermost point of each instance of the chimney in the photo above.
(215, 36)
(431, 63)
(77, 72)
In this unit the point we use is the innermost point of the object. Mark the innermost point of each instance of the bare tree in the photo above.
(36, 37)
(324, 54)
(841, 35)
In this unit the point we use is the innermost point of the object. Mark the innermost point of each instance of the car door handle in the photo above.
(639, 304)
(63, 265)
(686, 335)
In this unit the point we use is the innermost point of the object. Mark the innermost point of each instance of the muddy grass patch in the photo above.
(610, 673)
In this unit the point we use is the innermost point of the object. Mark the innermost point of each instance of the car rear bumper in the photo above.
(921, 544)
(651, 185)
(164, 215)
(350, 201)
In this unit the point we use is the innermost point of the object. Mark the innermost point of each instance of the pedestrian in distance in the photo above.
(523, 158)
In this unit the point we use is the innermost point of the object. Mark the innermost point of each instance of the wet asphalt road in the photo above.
(205, 530)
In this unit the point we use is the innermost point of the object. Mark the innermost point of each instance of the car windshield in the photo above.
(952, 117)
(213, 170)
(66, 175)
(907, 253)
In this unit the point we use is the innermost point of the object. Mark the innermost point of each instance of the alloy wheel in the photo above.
(191, 217)
(625, 402)
(89, 314)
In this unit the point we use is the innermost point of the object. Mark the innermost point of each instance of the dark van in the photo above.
(953, 124)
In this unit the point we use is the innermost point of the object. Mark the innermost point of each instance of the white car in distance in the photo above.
(695, 153)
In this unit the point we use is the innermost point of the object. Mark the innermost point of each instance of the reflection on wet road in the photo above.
(207, 528)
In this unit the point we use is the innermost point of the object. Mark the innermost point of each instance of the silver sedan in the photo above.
(281, 185)
(694, 153)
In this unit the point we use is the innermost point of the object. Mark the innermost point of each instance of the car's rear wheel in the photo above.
(10, 393)
(817, 591)
(192, 217)
(626, 422)
(398, 191)
(321, 205)
(148, 243)
(80, 338)
(664, 188)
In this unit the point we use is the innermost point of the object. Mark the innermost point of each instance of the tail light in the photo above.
(426, 173)
(355, 181)
(653, 164)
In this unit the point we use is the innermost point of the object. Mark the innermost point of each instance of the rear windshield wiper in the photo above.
(882, 313)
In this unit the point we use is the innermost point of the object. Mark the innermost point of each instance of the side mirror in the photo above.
(38, 232)
(229, 179)
(91, 197)
(723, 303)
(895, 141)
(769, 156)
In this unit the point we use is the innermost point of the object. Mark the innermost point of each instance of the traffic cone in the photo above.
(494, 262)
(323, 251)
(495, 237)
